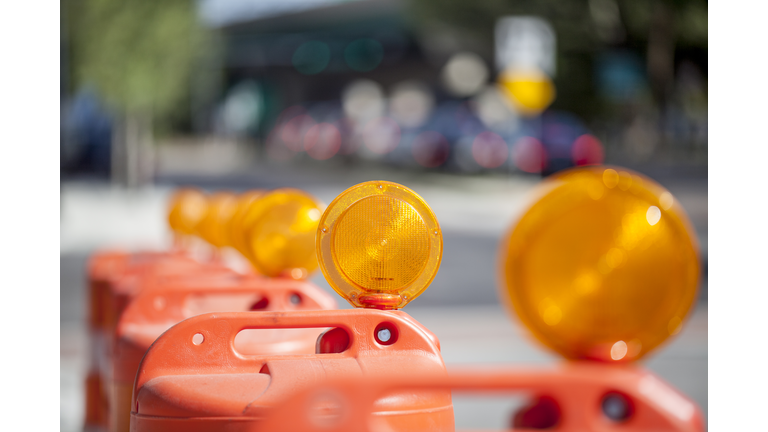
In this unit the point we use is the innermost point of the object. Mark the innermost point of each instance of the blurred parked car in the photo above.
(86, 136)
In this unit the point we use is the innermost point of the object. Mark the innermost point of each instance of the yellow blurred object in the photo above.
(529, 91)
(280, 233)
(237, 223)
(187, 208)
(604, 266)
(213, 227)
(379, 245)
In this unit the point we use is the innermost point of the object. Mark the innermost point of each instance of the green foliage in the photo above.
(138, 54)
(584, 28)
(574, 20)
(478, 17)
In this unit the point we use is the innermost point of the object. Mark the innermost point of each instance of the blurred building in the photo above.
(312, 54)
(374, 80)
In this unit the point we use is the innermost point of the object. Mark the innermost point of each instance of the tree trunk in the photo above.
(132, 150)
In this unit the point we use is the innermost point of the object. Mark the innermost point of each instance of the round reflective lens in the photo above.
(186, 210)
(280, 233)
(603, 266)
(236, 225)
(214, 226)
(379, 245)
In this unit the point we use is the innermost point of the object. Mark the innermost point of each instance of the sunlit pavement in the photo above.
(461, 307)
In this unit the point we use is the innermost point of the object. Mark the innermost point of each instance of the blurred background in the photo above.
(470, 104)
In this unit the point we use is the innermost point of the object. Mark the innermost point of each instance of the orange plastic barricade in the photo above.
(104, 271)
(114, 276)
(583, 396)
(155, 309)
(194, 379)
(179, 290)
(99, 269)
(108, 269)
(379, 246)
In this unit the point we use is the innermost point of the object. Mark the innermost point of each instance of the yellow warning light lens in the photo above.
(529, 91)
(214, 226)
(236, 226)
(379, 245)
(187, 208)
(604, 266)
(280, 233)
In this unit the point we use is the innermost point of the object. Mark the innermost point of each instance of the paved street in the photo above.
(461, 307)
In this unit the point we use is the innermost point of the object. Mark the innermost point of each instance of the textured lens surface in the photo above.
(381, 243)
(186, 210)
(237, 224)
(213, 227)
(603, 266)
(283, 236)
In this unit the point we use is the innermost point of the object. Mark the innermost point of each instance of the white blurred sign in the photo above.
(525, 43)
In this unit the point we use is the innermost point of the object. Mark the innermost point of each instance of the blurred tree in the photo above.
(139, 56)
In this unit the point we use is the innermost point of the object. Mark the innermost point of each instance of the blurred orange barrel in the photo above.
(161, 304)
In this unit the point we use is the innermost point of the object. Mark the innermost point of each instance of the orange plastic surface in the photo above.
(95, 406)
(103, 269)
(379, 245)
(346, 404)
(113, 277)
(210, 386)
(156, 308)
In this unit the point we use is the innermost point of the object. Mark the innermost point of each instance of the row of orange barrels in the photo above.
(180, 344)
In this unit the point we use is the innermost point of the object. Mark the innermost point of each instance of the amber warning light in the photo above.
(604, 266)
(186, 210)
(279, 229)
(379, 245)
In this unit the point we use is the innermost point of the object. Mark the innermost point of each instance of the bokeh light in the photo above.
(464, 74)
(411, 103)
(322, 141)
(618, 350)
(597, 270)
(529, 155)
(489, 150)
(530, 90)
(495, 110)
(311, 57)
(587, 150)
(363, 100)
(653, 215)
(243, 108)
(430, 149)
(364, 55)
(381, 135)
(294, 131)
